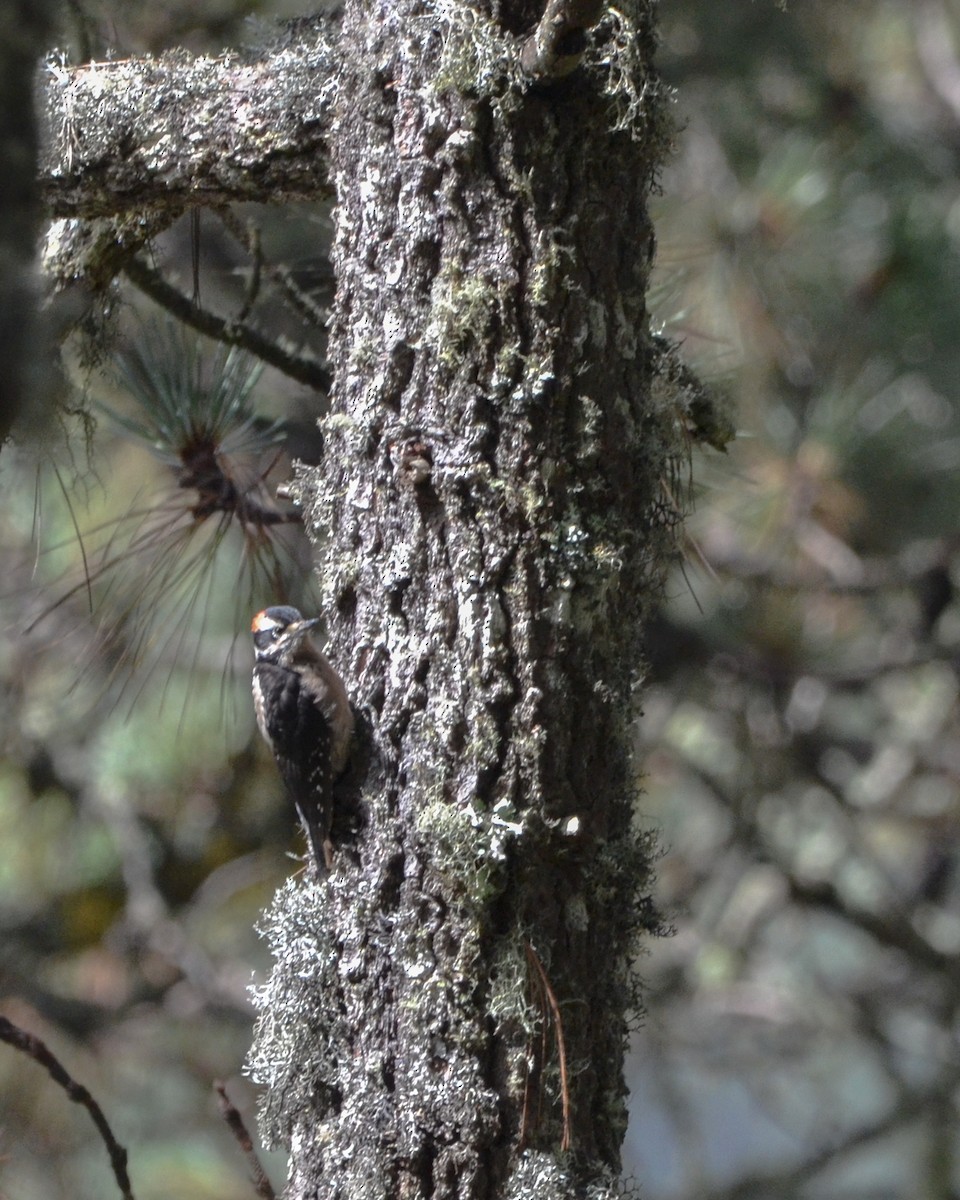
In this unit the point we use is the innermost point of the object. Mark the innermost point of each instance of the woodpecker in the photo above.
(304, 716)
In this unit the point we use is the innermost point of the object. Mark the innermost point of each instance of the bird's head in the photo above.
(279, 631)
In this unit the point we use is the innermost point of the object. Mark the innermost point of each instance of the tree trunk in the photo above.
(447, 1014)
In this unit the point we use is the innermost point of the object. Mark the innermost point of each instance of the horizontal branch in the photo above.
(891, 930)
(180, 131)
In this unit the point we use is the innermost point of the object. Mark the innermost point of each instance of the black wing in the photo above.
(299, 736)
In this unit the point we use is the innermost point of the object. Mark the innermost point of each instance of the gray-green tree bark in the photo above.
(448, 1012)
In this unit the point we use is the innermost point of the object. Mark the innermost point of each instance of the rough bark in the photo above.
(178, 131)
(491, 509)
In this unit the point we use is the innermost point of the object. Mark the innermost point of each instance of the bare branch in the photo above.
(179, 131)
(235, 1124)
(34, 1048)
(248, 235)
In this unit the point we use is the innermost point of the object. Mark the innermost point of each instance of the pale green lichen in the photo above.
(538, 1174)
(635, 94)
(464, 308)
(548, 276)
(477, 57)
(363, 355)
(460, 841)
(296, 1042)
(508, 1001)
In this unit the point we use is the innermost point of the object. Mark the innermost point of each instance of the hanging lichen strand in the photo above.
(447, 1014)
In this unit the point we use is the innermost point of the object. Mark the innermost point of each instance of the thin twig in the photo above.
(535, 1061)
(281, 278)
(253, 283)
(152, 284)
(236, 1126)
(195, 254)
(567, 1139)
(32, 1046)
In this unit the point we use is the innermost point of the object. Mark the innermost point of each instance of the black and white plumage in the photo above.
(305, 717)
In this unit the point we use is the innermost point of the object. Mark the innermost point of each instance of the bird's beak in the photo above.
(300, 629)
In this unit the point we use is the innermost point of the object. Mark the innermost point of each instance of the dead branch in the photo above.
(33, 1047)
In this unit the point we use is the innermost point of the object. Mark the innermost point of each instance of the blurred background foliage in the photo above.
(801, 739)
(800, 745)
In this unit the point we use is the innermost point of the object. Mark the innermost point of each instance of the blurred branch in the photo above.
(281, 277)
(936, 52)
(34, 1048)
(130, 133)
(237, 1127)
(911, 1105)
(856, 576)
(231, 333)
(27, 24)
(892, 931)
(889, 930)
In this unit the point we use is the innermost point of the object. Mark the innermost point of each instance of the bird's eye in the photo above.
(267, 635)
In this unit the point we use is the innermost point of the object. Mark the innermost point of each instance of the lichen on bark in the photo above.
(494, 522)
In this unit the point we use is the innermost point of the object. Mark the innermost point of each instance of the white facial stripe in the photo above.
(262, 623)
